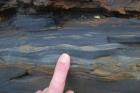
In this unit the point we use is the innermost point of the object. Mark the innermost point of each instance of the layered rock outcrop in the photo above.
(105, 51)
(105, 54)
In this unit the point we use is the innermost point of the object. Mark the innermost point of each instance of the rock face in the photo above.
(128, 7)
(105, 53)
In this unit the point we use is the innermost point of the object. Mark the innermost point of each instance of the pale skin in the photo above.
(57, 83)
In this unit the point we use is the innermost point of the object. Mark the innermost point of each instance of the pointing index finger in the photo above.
(57, 83)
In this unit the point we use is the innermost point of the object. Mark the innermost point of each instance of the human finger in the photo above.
(58, 81)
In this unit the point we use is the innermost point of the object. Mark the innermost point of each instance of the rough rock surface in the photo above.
(129, 7)
(105, 54)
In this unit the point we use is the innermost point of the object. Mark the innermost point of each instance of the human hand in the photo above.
(57, 83)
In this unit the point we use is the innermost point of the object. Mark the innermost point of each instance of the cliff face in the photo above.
(105, 50)
(105, 54)
(117, 6)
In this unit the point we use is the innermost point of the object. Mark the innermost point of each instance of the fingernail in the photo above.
(64, 58)
(72, 92)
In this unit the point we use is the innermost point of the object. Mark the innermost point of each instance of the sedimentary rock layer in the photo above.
(104, 52)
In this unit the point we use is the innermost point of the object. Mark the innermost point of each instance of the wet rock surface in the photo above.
(105, 53)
